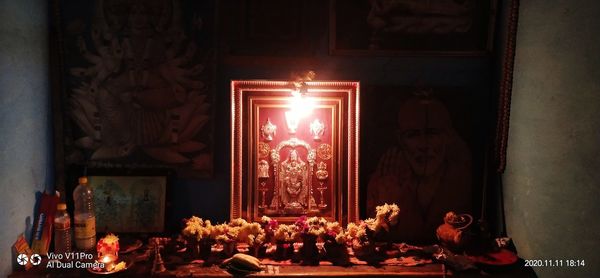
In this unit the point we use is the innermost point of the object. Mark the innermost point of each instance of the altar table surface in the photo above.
(177, 266)
(431, 270)
(195, 270)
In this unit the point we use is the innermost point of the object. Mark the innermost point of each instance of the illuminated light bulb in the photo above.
(300, 107)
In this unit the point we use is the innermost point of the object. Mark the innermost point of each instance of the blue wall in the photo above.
(552, 183)
(25, 138)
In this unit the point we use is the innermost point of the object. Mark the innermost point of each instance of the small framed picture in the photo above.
(411, 27)
(129, 204)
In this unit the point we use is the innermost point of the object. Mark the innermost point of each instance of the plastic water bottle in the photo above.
(85, 217)
(62, 230)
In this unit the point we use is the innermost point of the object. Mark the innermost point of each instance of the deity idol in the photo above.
(293, 188)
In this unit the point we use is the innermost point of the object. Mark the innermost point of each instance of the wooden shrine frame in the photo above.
(257, 104)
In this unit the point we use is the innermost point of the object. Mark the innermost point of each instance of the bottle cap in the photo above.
(61, 206)
(83, 180)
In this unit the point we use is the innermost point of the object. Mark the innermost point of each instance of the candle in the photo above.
(109, 261)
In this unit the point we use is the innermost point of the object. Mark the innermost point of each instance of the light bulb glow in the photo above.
(300, 107)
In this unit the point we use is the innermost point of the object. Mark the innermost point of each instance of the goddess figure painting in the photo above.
(140, 85)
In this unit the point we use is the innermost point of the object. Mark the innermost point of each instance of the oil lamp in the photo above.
(108, 251)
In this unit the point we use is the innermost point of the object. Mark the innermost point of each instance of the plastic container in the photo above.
(85, 217)
(62, 230)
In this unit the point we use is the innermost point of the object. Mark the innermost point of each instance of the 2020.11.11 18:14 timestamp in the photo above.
(555, 263)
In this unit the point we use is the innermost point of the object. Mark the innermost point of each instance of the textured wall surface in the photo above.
(552, 183)
(24, 118)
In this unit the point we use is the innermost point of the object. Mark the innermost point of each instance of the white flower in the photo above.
(197, 228)
(340, 238)
(284, 233)
(387, 215)
(265, 219)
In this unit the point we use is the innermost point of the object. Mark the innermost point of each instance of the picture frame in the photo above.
(460, 117)
(129, 204)
(116, 103)
(411, 28)
(279, 167)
